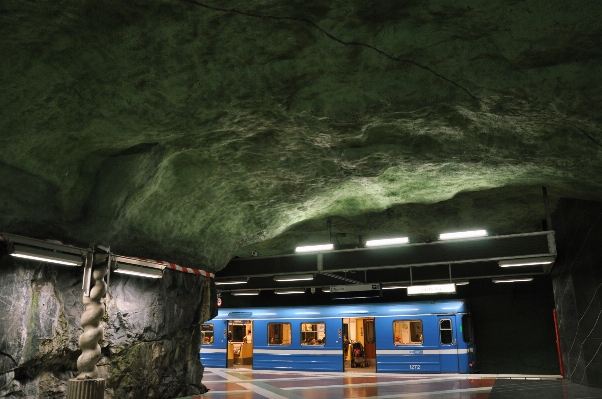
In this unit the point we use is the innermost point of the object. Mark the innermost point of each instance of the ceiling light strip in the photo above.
(294, 277)
(387, 241)
(138, 270)
(463, 234)
(512, 280)
(43, 255)
(541, 260)
(315, 248)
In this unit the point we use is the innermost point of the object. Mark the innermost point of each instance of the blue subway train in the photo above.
(413, 337)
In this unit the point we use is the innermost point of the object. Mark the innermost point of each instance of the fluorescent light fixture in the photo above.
(294, 277)
(462, 283)
(315, 248)
(542, 260)
(326, 289)
(245, 293)
(394, 287)
(20, 251)
(138, 271)
(511, 280)
(287, 292)
(431, 289)
(387, 241)
(463, 234)
(236, 281)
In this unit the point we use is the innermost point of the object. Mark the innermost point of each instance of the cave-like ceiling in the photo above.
(196, 131)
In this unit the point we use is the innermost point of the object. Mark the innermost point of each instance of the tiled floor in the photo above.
(256, 384)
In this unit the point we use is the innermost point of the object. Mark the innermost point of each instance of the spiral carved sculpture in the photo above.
(93, 331)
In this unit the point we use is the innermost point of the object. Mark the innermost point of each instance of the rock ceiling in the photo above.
(195, 131)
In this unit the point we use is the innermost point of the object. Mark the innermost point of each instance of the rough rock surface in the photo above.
(185, 131)
(152, 332)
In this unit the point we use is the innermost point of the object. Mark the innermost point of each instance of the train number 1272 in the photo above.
(414, 367)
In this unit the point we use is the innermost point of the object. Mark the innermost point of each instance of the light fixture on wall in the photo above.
(463, 234)
(288, 292)
(512, 280)
(541, 260)
(294, 277)
(21, 251)
(315, 248)
(138, 270)
(232, 281)
(387, 241)
(244, 293)
(462, 283)
(431, 289)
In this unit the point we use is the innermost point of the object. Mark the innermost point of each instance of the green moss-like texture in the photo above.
(190, 133)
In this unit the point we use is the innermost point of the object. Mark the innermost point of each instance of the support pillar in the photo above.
(87, 385)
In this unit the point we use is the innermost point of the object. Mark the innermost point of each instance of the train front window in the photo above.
(466, 328)
(313, 333)
(445, 331)
(407, 332)
(279, 334)
(207, 330)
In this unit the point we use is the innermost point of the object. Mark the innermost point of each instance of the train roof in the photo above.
(344, 311)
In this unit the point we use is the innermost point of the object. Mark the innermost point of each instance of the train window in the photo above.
(407, 332)
(466, 328)
(207, 330)
(313, 333)
(279, 333)
(445, 331)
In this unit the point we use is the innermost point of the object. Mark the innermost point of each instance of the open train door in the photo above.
(448, 345)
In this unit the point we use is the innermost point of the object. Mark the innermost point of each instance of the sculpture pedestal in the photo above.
(86, 389)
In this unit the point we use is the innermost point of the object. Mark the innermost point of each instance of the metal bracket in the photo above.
(320, 262)
(89, 261)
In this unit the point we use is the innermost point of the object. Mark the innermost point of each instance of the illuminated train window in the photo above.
(313, 333)
(279, 334)
(407, 332)
(207, 330)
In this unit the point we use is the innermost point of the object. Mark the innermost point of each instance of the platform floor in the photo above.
(256, 384)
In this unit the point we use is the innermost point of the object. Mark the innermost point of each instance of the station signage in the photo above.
(354, 288)
(431, 289)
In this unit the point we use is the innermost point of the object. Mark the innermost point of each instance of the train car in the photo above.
(411, 337)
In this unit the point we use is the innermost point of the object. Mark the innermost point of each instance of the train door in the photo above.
(370, 342)
(448, 345)
(214, 343)
(466, 347)
(240, 343)
(361, 349)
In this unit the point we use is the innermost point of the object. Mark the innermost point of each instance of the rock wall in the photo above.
(577, 278)
(152, 332)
